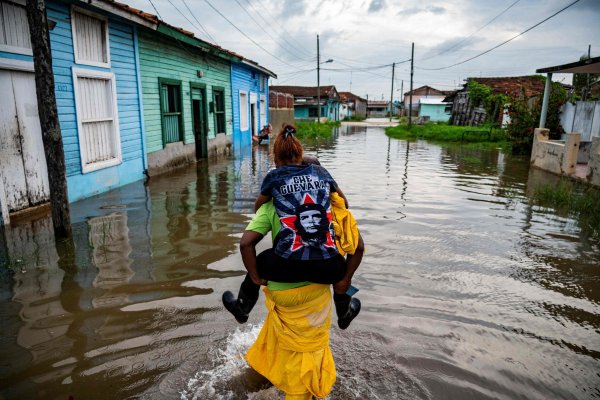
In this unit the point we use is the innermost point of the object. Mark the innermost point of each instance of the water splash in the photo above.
(229, 376)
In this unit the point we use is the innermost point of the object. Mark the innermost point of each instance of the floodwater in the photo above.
(468, 291)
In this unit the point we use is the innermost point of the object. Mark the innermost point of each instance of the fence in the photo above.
(582, 117)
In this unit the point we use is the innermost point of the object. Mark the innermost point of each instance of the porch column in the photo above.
(547, 90)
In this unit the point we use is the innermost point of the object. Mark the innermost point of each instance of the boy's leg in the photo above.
(346, 308)
(247, 297)
(249, 291)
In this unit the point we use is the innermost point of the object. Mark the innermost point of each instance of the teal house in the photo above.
(307, 98)
(434, 108)
(186, 89)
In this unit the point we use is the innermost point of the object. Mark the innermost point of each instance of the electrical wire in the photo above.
(263, 29)
(155, 9)
(265, 8)
(196, 19)
(503, 43)
(298, 49)
(185, 16)
(471, 35)
(246, 36)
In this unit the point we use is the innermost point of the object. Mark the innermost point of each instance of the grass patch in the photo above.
(572, 199)
(313, 130)
(442, 132)
(354, 118)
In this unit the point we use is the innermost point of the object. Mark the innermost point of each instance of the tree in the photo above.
(51, 134)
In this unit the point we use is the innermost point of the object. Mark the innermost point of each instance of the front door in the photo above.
(23, 170)
(199, 121)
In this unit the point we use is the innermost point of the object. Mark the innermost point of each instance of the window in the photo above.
(244, 122)
(262, 83)
(171, 114)
(312, 112)
(97, 121)
(90, 38)
(219, 109)
(14, 29)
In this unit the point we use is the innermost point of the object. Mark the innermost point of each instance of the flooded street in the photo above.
(468, 291)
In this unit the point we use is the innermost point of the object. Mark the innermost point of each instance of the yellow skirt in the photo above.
(292, 349)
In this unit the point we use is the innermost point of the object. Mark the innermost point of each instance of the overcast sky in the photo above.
(364, 37)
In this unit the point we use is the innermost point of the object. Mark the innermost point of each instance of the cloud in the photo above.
(437, 10)
(376, 5)
(292, 8)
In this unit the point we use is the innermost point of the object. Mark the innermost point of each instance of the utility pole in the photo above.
(412, 59)
(318, 84)
(392, 93)
(367, 112)
(587, 84)
(402, 94)
(51, 135)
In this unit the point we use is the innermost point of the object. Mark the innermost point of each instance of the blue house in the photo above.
(97, 89)
(98, 92)
(250, 95)
(307, 98)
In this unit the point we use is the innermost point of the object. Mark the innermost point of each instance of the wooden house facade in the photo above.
(186, 88)
(250, 101)
(464, 112)
(23, 174)
(134, 94)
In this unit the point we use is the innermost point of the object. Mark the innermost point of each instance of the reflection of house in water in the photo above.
(192, 222)
(37, 285)
(110, 250)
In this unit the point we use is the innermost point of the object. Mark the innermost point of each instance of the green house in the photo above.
(186, 90)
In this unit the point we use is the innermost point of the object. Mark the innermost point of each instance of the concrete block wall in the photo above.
(552, 156)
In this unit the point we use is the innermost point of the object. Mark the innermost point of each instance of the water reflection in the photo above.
(468, 290)
(93, 313)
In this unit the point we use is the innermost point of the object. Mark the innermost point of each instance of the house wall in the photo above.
(360, 108)
(435, 112)
(122, 36)
(242, 80)
(164, 57)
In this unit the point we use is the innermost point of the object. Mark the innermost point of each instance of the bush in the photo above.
(314, 130)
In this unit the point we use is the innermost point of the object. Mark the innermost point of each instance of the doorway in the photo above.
(199, 120)
(23, 171)
(254, 114)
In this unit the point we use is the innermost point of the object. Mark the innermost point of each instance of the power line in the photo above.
(471, 35)
(301, 50)
(155, 9)
(263, 29)
(246, 36)
(185, 16)
(266, 8)
(196, 19)
(506, 41)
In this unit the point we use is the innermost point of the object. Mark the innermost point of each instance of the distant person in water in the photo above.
(304, 249)
(263, 134)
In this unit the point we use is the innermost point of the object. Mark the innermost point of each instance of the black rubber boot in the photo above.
(241, 307)
(346, 308)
